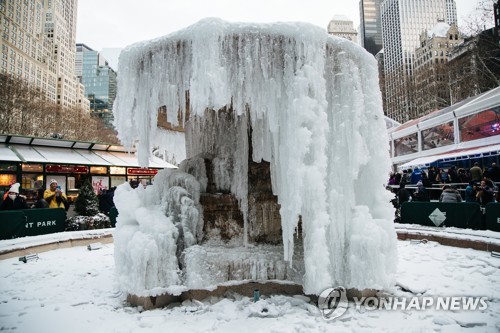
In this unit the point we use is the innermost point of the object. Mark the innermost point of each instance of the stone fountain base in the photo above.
(221, 270)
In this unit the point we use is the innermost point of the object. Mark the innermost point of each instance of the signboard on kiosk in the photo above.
(53, 168)
(142, 172)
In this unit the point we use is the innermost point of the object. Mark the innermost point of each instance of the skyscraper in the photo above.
(370, 29)
(26, 53)
(402, 24)
(451, 12)
(60, 29)
(38, 46)
(99, 80)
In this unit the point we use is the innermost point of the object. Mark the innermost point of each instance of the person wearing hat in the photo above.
(54, 196)
(421, 193)
(13, 200)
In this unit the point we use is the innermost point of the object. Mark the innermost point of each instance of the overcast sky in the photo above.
(118, 23)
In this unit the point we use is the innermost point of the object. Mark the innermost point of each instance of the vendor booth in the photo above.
(33, 162)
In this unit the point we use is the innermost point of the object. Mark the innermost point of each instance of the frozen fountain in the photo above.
(286, 157)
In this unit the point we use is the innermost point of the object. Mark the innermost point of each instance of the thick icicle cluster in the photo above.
(315, 110)
(154, 226)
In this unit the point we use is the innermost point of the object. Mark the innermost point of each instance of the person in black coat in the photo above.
(106, 201)
(403, 194)
(485, 193)
(494, 172)
(40, 202)
(421, 193)
(14, 201)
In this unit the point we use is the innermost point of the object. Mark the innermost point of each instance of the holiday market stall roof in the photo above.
(41, 150)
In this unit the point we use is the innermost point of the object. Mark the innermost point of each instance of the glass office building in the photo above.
(370, 25)
(99, 80)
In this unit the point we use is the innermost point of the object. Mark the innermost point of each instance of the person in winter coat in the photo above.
(421, 193)
(470, 192)
(54, 196)
(40, 202)
(106, 201)
(494, 172)
(14, 201)
(442, 176)
(416, 175)
(403, 194)
(485, 193)
(450, 194)
(476, 173)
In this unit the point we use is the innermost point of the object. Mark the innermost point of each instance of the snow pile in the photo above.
(313, 105)
(153, 227)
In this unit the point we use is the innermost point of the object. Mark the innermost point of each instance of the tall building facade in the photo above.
(38, 38)
(99, 81)
(432, 82)
(370, 29)
(26, 53)
(341, 26)
(451, 12)
(402, 23)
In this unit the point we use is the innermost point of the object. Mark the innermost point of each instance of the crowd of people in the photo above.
(477, 184)
(53, 197)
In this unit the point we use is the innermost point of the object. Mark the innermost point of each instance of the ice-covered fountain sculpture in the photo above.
(287, 155)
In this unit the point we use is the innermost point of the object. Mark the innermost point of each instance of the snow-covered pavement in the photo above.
(74, 290)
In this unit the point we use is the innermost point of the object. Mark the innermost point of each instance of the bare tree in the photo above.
(480, 52)
(480, 19)
(24, 110)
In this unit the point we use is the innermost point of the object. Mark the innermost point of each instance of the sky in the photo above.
(76, 290)
(118, 23)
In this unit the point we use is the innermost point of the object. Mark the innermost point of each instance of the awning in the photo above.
(41, 154)
(28, 154)
(130, 160)
(114, 160)
(8, 155)
(455, 155)
(59, 155)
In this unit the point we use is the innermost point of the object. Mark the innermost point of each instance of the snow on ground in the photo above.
(74, 290)
(488, 236)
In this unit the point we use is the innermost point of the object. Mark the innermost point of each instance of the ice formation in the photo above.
(314, 108)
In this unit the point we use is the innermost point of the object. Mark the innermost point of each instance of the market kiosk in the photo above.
(33, 162)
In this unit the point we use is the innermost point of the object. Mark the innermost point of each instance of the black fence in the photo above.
(31, 222)
(34, 222)
(446, 214)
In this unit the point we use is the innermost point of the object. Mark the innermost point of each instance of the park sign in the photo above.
(31, 222)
